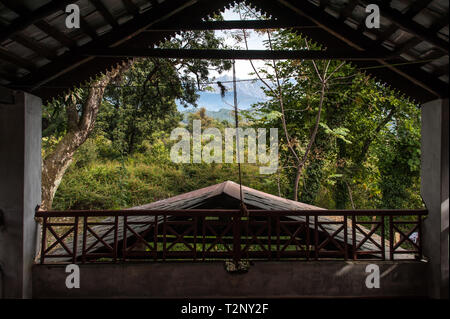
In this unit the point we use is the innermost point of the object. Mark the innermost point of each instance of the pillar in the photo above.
(434, 190)
(20, 189)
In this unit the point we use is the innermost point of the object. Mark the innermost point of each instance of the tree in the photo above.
(81, 108)
(319, 78)
(335, 135)
(138, 94)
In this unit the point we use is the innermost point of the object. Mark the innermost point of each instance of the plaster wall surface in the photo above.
(20, 190)
(211, 280)
(434, 191)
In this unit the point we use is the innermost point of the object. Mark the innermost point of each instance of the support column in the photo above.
(20, 189)
(434, 190)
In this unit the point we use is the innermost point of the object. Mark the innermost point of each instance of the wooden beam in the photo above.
(105, 13)
(30, 17)
(8, 76)
(41, 24)
(131, 7)
(6, 96)
(408, 45)
(323, 3)
(442, 71)
(236, 54)
(356, 40)
(439, 24)
(409, 25)
(416, 7)
(60, 84)
(16, 60)
(231, 24)
(347, 11)
(381, 37)
(34, 45)
(125, 32)
(87, 28)
(330, 39)
(56, 34)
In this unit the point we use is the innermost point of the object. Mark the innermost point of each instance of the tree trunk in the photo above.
(310, 144)
(56, 163)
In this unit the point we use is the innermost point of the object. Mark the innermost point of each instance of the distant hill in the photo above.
(220, 115)
(248, 93)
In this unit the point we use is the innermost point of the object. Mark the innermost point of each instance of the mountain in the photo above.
(248, 93)
(220, 115)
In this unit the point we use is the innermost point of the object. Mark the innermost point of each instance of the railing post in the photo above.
(278, 236)
(345, 238)
(116, 237)
(195, 219)
(124, 238)
(44, 239)
(75, 239)
(237, 237)
(269, 236)
(308, 239)
(383, 239)
(164, 236)
(354, 236)
(85, 226)
(419, 237)
(316, 236)
(155, 236)
(391, 237)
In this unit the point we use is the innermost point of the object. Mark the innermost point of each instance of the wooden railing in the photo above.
(199, 234)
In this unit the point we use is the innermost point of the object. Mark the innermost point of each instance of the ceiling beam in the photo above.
(105, 13)
(31, 17)
(358, 41)
(406, 46)
(439, 24)
(87, 28)
(383, 36)
(34, 45)
(93, 67)
(131, 7)
(125, 32)
(231, 25)
(56, 34)
(409, 25)
(16, 60)
(41, 24)
(416, 7)
(325, 38)
(347, 11)
(236, 54)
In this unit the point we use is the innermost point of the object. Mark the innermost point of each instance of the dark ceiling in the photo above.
(40, 55)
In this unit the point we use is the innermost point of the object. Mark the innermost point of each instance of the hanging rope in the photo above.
(243, 208)
(238, 154)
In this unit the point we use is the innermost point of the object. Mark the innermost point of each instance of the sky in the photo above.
(248, 92)
(255, 42)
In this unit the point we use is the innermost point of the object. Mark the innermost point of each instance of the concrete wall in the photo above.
(434, 190)
(210, 279)
(20, 190)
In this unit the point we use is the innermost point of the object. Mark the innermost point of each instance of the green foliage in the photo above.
(141, 178)
(368, 144)
(367, 147)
